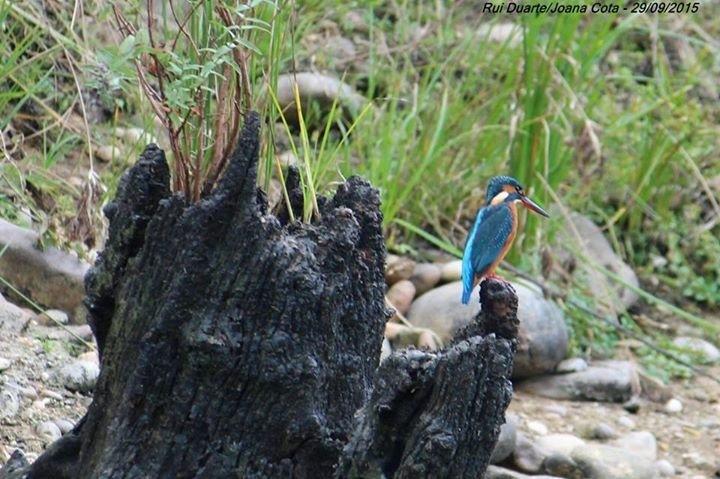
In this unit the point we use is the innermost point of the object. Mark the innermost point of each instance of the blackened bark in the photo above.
(235, 343)
(439, 415)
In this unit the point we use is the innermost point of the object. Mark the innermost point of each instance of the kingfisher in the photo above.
(494, 231)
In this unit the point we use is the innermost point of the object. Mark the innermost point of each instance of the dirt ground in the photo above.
(689, 440)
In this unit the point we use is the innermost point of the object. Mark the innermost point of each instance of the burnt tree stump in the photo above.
(237, 344)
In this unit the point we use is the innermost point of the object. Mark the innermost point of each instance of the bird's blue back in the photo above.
(492, 228)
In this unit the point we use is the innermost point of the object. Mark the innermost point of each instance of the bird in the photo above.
(494, 230)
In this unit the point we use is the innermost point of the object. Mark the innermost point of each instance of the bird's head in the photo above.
(506, 189)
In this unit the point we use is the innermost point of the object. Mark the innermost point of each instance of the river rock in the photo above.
(699, 346)
(48, 431)
(398, 268)
(315, 87)
(560, 443)
(605, 381)
(506, 440)
(665, 468)
(50, 277)
(12, 318)
(79, 376)
(425, 276)
(673, 406)
(571, 365)
(451, 271)
(64, 425)
(598, 249)
(642, 443)
(497, 472)
(52, 317)
(527, 456)
(9, 403)
(599, 461)
(400, 295)
(542, 335)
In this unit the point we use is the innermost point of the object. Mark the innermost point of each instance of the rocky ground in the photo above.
(569, 418)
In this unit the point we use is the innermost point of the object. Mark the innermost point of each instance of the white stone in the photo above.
(673, 406)
(537, 427)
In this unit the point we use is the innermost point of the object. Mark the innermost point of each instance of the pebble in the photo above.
(48, 431)
(53, 317)
(664, 468)
(9, 403)
(400, 295)
(625, 421)
(602, 431)
(5, 364)
(560, 443)
(642, 443)
(51, 394)
(571, 365)
(64, 425)
(537, 427)
(673, 406)
(556, 409)
(425, 276)
(708, 350)
(505, 444)
(107, 153)
(79, 376)
(451, 271)
(397, 268)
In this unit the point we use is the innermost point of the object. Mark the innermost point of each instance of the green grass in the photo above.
(594, 109)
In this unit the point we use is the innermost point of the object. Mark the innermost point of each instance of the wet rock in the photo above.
(52, 317)
(543, 336)
(79, 376)
(673, 406)
(12, 318)
(425, 276)
(598, 461)
(606, 381)
(506, 441)
(9, 403)
(50, 277)
(497, 472)
(398, 268)
(400, 295)
(641, 443)
(698, 346)
(571, 365)
(598, 249)
(451, 271)
(48, 431)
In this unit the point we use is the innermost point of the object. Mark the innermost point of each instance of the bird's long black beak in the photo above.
(532, 206)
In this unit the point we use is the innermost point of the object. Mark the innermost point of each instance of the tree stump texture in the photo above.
(237, 344)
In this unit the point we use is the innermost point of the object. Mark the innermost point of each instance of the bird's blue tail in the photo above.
(466, 295)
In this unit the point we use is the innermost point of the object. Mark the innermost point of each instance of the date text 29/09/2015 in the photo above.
(556, 8)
